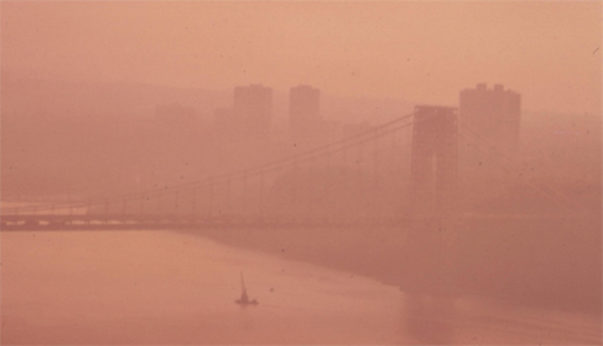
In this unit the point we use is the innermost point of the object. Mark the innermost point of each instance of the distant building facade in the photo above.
(489, 120)
(175, 113)
(304, 111)
(494, 113)
(253, 107)
(225, 122)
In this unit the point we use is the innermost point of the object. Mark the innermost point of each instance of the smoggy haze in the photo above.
(297, 172)
(421, 52)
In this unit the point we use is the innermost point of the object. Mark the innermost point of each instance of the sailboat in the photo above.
(244, 300)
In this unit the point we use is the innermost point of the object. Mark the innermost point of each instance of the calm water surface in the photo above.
(167, 287)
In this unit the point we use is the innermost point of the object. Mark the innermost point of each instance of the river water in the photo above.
(167, 287)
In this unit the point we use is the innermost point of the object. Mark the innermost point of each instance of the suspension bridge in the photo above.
(373, 177)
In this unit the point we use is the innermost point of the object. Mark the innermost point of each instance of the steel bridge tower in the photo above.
(434, 159)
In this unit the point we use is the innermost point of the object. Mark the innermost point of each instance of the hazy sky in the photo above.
(423, 52)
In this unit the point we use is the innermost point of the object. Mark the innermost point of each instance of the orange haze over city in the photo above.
(300, 172)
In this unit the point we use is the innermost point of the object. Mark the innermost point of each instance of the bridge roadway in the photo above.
(136, 221)
(29, 222)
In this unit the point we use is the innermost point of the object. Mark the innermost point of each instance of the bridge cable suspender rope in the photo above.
(244, 173)
(373, 133)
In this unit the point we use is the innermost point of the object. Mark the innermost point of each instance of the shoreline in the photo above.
(482, 263)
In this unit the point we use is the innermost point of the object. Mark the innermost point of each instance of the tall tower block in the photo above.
(304, 111)
(253, 106)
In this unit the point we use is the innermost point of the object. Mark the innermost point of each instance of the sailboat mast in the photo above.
(243, 283)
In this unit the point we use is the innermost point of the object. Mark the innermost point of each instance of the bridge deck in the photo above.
(134, 221)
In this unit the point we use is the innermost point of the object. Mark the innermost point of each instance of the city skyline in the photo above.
(534, 43)
(301, 172)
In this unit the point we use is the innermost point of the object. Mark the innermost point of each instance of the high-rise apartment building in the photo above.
(304, 111)
(253, 106)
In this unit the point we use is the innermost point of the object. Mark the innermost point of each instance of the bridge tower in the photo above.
(429, 252)
(434, 159)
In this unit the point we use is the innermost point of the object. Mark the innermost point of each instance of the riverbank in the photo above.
(552, 263)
